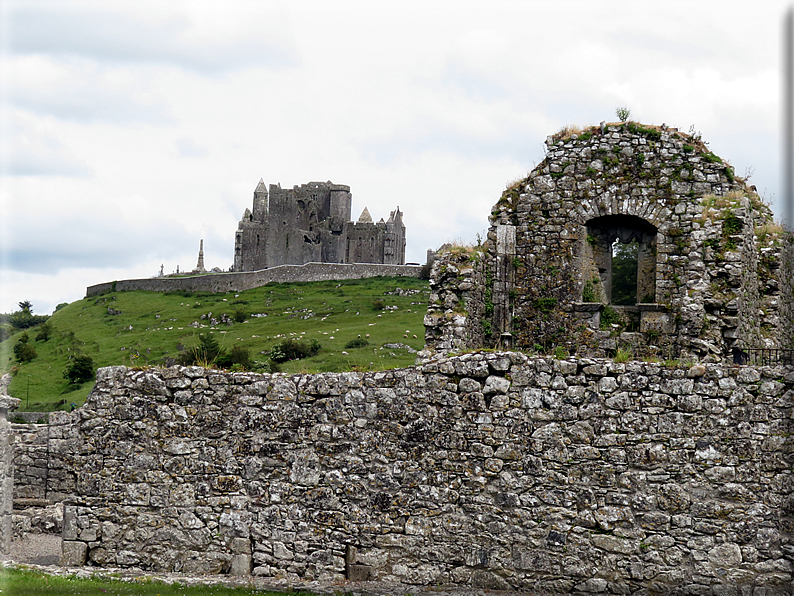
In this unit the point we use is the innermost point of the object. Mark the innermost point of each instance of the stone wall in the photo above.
(7, 404)
(494, 470)
(709, 254)
(42, 452)
(238, 282)
(455, 307)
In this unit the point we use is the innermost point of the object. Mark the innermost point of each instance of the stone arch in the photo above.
(601, 232)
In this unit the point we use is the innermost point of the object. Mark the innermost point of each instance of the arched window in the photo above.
(621, 268)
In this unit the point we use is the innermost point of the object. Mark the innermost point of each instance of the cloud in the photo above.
(188, 148)
(118, 36)
(89, 241)
(29, 151)
(80, 91)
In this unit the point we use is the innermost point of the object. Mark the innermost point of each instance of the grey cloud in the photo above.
(88, 102)
(92, 242)
(109, 36)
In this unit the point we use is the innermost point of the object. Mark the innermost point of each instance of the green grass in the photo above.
(31, 583)
(333, 312)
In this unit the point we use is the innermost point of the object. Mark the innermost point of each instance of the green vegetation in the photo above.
(623, 113)
(622, 355)
(79, 370)
(33, 583)
(624, 272)
(609, 317)
(141, 329)
(545, 304)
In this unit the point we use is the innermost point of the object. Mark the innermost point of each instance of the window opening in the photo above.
(624, 272)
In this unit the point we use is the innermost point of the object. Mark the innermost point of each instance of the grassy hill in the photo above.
(151, 328)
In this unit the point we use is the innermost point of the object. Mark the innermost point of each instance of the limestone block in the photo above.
(241, 565)
(73, 553)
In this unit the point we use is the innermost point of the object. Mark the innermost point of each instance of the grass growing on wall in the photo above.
(153, 327)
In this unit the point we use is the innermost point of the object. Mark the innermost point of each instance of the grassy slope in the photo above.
(334, 312)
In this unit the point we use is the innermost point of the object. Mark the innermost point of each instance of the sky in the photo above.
(131, 130)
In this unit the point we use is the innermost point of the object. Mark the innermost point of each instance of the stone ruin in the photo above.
(713, 269)
(311, 224)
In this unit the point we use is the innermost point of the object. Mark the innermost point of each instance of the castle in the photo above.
(312, 223)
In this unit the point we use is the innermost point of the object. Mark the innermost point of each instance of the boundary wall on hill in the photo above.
(493, 470)
(247, 280)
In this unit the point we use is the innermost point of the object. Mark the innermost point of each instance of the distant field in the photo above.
(151, 328)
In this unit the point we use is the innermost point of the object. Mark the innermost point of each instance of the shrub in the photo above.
(292, 349)
(24, 351)
(44, 332)
(79, 370)
(378, 304)
(240, 316)
(359, 342)
(60, 306)
(238, 358)
(623, 113)
(205, 353)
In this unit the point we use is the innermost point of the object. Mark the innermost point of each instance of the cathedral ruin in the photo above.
(311, 223)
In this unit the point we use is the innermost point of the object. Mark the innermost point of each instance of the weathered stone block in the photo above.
(73, 554)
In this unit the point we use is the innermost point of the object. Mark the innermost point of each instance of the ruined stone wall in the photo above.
(456, 306)
(785, 326)
(41, 458)
(703, 290)
(7, 404)
(238, 282)
(494, 470)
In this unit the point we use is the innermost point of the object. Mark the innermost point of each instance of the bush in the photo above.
(24, 351)
(238, 358)
(292, 349)
(359, 342)
(60, 306)
(206, 353)
(44, 332)
(24, 319)
(79, 370)
(240, 316)
(378, 304)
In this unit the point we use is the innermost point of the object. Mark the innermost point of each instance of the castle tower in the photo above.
(200, 264)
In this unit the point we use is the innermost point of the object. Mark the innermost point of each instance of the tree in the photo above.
(24, 351)
(26, 306)
(79, 370)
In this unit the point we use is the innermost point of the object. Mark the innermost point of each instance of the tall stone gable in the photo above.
(311, 223)
(712, 270)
